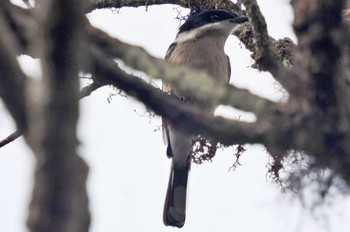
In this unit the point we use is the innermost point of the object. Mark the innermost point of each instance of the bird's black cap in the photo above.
(210, 16)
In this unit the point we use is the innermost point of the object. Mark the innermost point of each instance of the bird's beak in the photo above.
(239, 19)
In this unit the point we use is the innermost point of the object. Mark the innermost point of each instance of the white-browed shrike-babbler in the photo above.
(199, 45)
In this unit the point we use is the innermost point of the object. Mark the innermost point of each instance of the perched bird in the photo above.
(199, 44)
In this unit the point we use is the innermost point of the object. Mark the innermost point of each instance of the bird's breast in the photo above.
(203, 55)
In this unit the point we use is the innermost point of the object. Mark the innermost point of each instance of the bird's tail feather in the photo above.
(175, 202)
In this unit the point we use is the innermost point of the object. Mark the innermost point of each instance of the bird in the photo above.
(199, 44)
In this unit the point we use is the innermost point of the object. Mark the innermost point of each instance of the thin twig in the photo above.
(86, 91)
(12, 137)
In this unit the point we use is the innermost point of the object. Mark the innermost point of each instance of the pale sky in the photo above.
(129, 169)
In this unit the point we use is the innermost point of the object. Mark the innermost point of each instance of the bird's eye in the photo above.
(214, 18)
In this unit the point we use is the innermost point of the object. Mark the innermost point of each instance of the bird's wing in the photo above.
(170, 51)
(229, 69)
(166, 88)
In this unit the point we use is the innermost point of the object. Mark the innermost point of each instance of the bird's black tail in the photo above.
(175, 202)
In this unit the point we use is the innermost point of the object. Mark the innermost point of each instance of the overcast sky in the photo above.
(128, 167)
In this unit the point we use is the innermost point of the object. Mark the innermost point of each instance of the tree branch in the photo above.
(190, 117)
(11, 76)
(102, 4)
(264, 54)
(195, 5)
(180, 76)
(59, 201)
(87, 90)
(321, 59)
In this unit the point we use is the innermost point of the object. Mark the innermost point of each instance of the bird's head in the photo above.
(218, 22)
